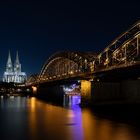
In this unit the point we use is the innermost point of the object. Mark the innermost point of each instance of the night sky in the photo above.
(37, 29)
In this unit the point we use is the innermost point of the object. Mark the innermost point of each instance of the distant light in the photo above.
(91, 79)
(28, 90)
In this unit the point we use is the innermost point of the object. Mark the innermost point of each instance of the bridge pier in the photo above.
(123, 92)
(106, 92)
(34, 90)
(100, 92)
(86, 89)
(131, 90)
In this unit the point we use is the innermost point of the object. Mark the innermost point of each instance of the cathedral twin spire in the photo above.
(9, 61)
(17, 58)
(14, 74)
(17, 65)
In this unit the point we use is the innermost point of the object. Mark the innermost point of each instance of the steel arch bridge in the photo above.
(123, 52)
(67, 64)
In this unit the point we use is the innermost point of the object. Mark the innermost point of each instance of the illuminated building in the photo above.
(14, 74)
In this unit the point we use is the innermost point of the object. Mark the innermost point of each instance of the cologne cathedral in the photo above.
(14, 74)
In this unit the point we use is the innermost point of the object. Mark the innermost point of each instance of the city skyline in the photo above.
(39, 29)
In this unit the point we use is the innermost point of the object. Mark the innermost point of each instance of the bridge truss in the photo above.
(67, 64)
(124, 51)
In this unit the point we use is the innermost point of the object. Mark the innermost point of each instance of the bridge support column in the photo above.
(85, 92)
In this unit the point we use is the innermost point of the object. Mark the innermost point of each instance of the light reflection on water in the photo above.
(29, 118)
(71, 101)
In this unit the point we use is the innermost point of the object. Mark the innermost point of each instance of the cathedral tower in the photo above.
(9, 66)
(17, 65)
(15, 75)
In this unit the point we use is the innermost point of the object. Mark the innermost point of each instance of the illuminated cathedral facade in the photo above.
(13, 73)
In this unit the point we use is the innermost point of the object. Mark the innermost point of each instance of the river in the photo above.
(24, 118)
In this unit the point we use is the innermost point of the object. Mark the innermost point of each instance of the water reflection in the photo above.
(32, 119)
(54, 122)
(104, 129)
(71, 100)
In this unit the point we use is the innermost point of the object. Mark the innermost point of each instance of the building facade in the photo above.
(13, 73)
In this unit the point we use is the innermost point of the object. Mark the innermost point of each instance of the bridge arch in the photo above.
(64, 64)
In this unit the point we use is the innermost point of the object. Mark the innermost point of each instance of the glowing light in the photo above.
(106, 61)
(86, 88)
(107, 49)
(71, 72)
(79, 81)
(71, 114)
(69, 89)
(27, 90)
(33, 104)
(34, 89)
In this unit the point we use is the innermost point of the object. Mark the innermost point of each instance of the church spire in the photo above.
(17, 65)
(9, 61)
(9, 67)
(17, 58)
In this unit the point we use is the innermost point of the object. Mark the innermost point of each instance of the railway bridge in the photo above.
(112, 75)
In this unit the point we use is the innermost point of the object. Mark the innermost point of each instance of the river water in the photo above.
(24, 118)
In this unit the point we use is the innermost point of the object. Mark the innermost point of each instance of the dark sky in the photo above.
(37, 29)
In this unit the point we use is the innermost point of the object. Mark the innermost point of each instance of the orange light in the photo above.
(34, 89)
